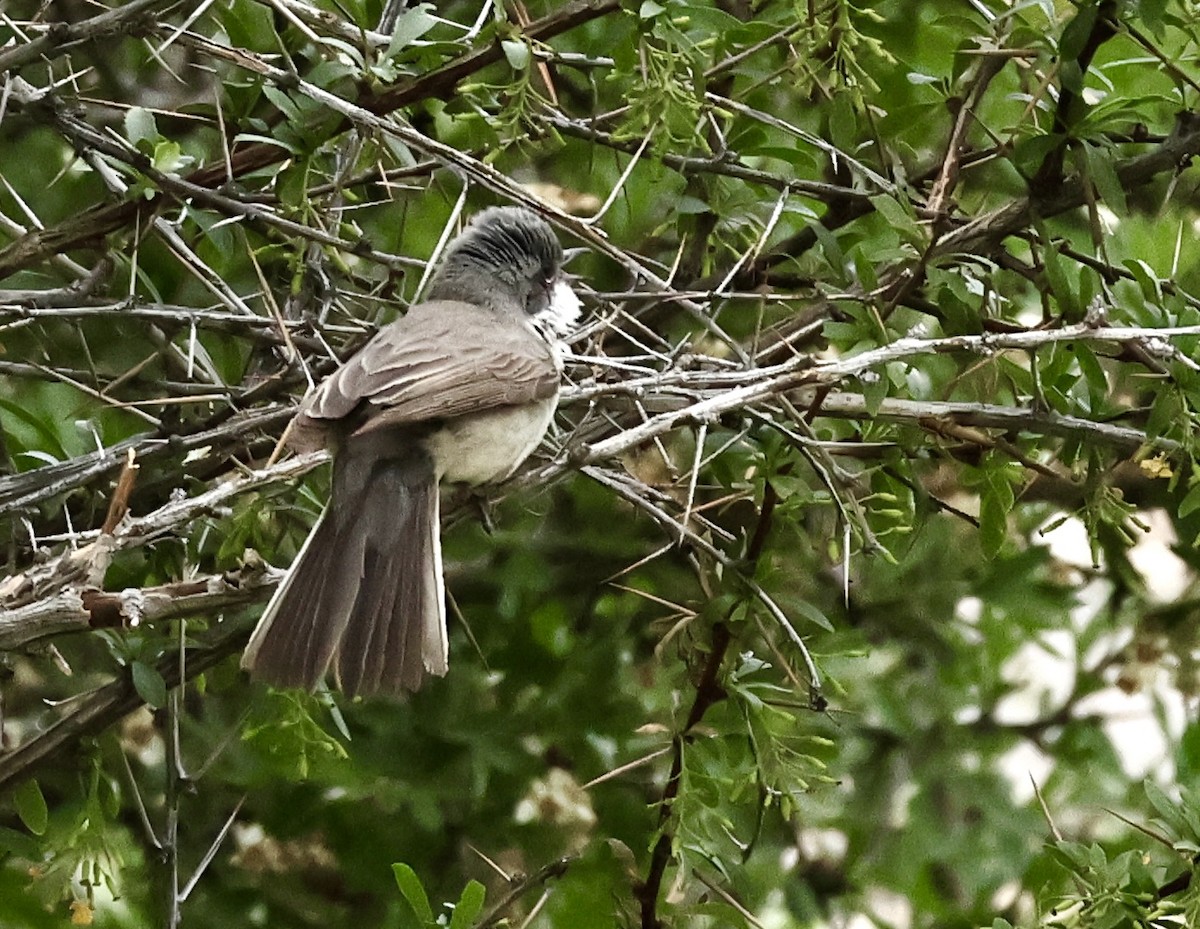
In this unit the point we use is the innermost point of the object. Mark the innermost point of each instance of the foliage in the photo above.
(865, 535)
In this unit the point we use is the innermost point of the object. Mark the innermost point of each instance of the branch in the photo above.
(519, 885)
(802, 371)
(123, 19)
(87, 227)
(442, 81)
(76, 609)
(30, 487)
(1103, 28)
(94, 712)
(991, 416)
(985, 232)
(708, 692)
(727, 166)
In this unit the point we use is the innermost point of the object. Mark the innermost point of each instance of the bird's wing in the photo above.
(405, 375)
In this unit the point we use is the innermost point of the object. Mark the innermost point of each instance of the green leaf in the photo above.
(149, 684)
(996, 499)
(410, 26)
(1093, 375)
(1166, 807)
(249, 25)
(1104, 177)
(1152, 13)
(845, 122)
(874, 389)
(1191, 502)
(1146, 278)
(1060, 284)
(285, 104)
(31, 807)
(169, 157)
(517, 53)
(650, 9)
(412, 891)
(1075, 35)
(898, 213)
(470, 902)
(16, 842)
(50, 442)
(140, 125)
(812, 614)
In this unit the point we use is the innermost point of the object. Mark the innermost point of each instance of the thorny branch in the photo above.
(629, 389)
(98, 222)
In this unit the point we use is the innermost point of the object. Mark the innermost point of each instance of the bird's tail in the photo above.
(365, 595)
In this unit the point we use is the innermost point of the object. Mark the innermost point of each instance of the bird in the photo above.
(461, 389)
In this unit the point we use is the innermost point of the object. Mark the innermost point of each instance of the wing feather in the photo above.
(403, 375)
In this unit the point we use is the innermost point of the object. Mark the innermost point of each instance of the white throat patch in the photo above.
(563, 311)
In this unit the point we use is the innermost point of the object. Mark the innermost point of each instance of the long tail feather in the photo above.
(365, 594)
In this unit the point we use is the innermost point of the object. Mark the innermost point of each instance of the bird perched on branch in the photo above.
(461, 389)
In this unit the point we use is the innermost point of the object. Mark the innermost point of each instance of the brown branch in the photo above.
(1103, 28)
(440, 83)
(119, 505)
(59, 38)
(30, 487)
(89, 226)
(980, 75)
(728, 166)
(76, 608)
(519, 885)
(96, 711)
(984, 233)
(708, 692)
(992, 416)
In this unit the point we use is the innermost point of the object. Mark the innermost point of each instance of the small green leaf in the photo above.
(43, 427)
(140, 125)
(413, 892)
(691, 205)
(1146, 278)
(845, 121)
(874, 389)
(149, 684)
(517, 53)
(470, 902)
(17, 842)
(1060, 284)
(1093, 375)
(897, 215)
(169, 157)
(411, 26)
(1166, 807)
(812, 614)
(996, 499)
(249, 25)
(285, 104)
(650, 9)
(1076, 33)
(1190, 503)
(1103, 175)
(31, 807)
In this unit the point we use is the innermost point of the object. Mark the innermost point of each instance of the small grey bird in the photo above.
(461, 389)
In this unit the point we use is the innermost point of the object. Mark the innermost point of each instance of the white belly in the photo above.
(486, 447)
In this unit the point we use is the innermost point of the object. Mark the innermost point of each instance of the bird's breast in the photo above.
(485, 447)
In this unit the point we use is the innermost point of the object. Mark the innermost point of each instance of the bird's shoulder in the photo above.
(443, 357)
